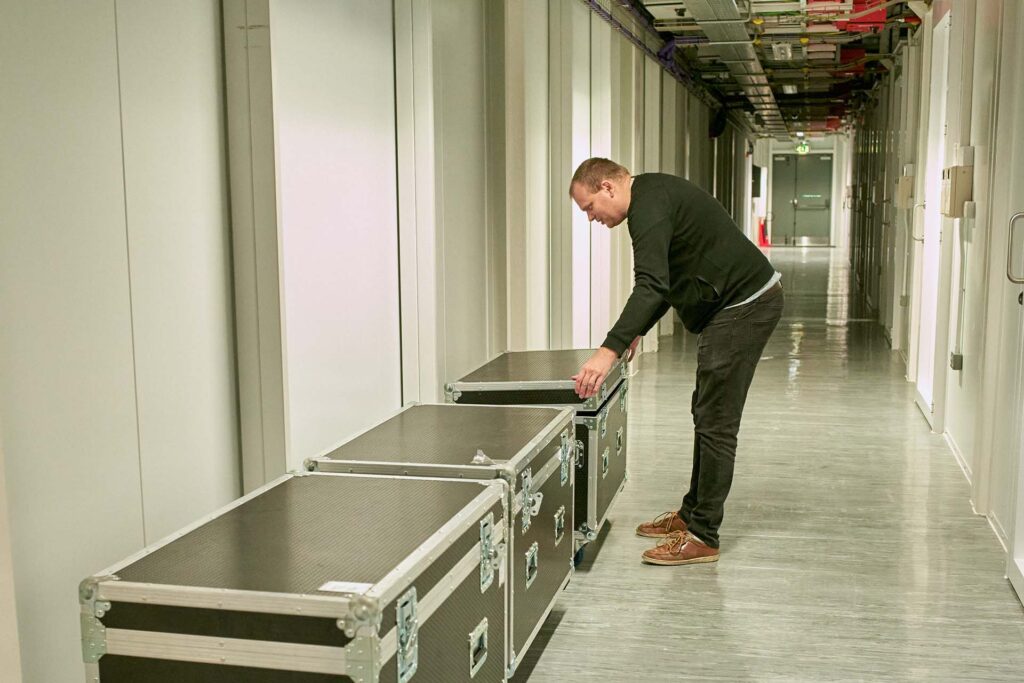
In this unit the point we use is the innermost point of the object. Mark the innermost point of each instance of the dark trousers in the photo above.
(728, 350)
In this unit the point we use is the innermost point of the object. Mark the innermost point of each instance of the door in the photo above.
(801, 213)
(813, 201)
(783, 213)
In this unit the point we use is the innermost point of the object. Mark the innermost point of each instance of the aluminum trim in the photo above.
(538, 443)
(426, 607)
(325, 465)
(166, 540)
(333, 606)
(406, 572)
(259, 654)
(594, 476)
(540, 623)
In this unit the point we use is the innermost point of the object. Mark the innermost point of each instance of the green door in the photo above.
(783, 216)
(813, 200)
(801, 199)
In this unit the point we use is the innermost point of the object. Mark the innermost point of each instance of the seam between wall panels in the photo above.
(398, 204)
(128, 260)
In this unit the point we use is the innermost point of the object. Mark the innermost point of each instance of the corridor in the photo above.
(849, 548)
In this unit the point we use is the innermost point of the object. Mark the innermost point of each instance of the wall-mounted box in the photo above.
(905, 192)
(957, 188)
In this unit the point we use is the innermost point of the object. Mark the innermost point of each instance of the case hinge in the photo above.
(564, 456)
(622, 397)
(94, 633)
(579, 454)
(408, 636)
(488, 552)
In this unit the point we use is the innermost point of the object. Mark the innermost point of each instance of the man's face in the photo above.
(607, 206)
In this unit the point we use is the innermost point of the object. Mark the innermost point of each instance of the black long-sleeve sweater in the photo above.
(687, 254)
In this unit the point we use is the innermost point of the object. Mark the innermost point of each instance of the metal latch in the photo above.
(564, 456)
(488, 553)
(531, 564)
(618, 441)
(604, 462)
(559, 524)
(602, 421)
(622, 398)
(526, 483)
(478, 648)
(579, 454)
(408, 636)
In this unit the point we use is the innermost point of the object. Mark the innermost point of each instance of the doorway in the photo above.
(801, 199)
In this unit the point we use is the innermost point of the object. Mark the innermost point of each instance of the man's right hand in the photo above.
(631, 351)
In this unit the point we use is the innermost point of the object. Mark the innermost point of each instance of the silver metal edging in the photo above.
(113, 569)
(426, 607)
(538, 385)
(259, 654)
(92, 672)
(564, 420)
(388, 588)
(353, 437)
(540, 623)
(325, 465)
(235, 600)
(593, 479)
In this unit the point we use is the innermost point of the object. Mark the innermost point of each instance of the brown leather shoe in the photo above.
(680, 547)
(661, 526)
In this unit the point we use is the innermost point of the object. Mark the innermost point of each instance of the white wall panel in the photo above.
(179, 246)
(581, 151)
(461, 144)
(67, 390)
(601, 124)
(338, 228)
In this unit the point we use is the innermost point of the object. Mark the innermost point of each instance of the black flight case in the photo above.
(314, 578)
(542, 378)
(532, 449)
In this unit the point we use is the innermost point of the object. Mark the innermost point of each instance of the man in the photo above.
(688, 254)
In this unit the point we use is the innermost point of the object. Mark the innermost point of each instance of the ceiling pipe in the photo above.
(664, 56)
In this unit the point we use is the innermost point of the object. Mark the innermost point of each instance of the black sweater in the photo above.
(687, 254)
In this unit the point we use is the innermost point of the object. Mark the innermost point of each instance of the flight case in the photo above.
(314, 578)
(542, 378)
(532, 449)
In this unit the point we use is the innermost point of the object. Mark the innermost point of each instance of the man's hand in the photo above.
(593, 372)
(631, 351)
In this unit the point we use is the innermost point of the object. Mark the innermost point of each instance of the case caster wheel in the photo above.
(578, 557)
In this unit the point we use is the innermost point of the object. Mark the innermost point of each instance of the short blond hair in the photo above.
(592, 172)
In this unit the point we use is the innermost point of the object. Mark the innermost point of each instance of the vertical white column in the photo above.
(581, 150)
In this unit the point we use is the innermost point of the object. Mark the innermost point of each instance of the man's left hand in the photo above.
(591, 375)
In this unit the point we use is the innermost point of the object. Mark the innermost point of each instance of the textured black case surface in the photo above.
(531, 366)
(554, 561)
(615, 417)
(307, 531)
(117, 669)
(449, 435)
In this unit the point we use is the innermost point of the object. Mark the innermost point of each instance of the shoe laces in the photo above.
(675, 540)
(664, 519)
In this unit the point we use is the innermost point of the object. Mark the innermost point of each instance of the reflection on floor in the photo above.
(849, 548)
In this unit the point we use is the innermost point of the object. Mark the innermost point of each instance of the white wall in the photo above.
(10, 653)
(461, 143)
(117, 399)
(337, 218)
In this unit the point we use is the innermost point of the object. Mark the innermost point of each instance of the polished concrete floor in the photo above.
(849, 548)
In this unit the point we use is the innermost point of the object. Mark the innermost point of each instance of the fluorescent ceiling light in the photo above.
(799, 133)
(789, 89)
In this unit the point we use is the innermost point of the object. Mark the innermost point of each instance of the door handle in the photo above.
(1009, 250)
(912, 235)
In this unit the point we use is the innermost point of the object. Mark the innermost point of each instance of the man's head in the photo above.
(601, 188)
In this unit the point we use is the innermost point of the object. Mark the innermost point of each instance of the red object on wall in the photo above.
(833, 123)
(872, 22)
(762, 233)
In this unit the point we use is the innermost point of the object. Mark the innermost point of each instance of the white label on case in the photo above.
(346, 587)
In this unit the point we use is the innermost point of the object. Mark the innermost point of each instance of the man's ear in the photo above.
(607, 185)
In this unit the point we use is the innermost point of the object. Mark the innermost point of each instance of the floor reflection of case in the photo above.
(541, 378)
(312, 578)
(532, 449)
